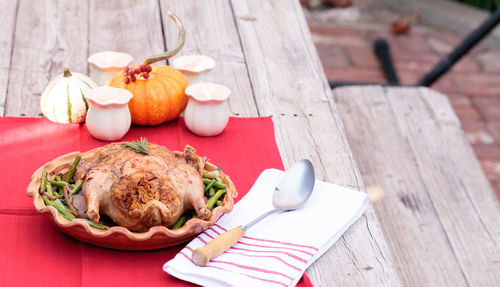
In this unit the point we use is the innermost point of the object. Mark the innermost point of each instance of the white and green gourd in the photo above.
(63, 99)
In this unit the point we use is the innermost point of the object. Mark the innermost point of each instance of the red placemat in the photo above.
(34, 252)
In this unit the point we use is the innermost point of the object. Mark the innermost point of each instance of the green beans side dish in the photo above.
(215, 190)
(59, 194)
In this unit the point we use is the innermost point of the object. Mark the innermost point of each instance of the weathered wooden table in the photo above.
(265, 55)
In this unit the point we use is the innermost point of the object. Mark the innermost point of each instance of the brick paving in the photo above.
(472, 86)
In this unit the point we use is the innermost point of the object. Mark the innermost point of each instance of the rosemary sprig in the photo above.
(140, 146)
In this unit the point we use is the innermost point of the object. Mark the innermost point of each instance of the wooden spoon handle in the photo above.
(217, 246)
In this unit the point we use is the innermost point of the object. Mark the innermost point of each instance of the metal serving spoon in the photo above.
(291, 193)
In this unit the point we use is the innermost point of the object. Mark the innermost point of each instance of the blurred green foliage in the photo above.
(490, 5)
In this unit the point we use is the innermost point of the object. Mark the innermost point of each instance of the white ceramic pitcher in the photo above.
(206, 113)
(108, 117)
(104, 65)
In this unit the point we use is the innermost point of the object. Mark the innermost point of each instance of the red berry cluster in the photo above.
(130, 74)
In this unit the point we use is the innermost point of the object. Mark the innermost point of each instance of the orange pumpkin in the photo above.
(159, 97)
(156, 100)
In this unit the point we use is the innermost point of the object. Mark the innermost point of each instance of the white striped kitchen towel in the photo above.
(277, 250)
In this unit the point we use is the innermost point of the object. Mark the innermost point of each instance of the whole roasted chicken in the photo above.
(140, 190)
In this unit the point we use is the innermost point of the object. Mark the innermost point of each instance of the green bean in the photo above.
(72, 170)
(63, 210)
(218, 168)
(57, 204)
(97, 225)
(180, 222)
(46, 200)
(209, 185)
(211, 192)
(50, 190)
(217, 185)
(212, 200)
(59, 189)
(76, 189)
(50, 196)
(58, 183)
(218, 203)
(220, 185)
(210, 174)
(43, 187)
(69, 201)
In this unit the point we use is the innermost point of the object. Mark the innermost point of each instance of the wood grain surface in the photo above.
(49, 35)
(432, 199)
(8, 13)
(289, 84)
(132, 27)
(211, 32)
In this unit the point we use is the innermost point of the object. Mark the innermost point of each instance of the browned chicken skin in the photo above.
(139, 191)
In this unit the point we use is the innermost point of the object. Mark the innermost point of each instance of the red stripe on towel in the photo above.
(250, 276)
(265, 251)
(211, 228)
(220, 227)
(255, 245)
(249, 244)
(266, 256)
(201, 239)
(262, 256)
(252, 268)
(285, 243)
(265, 240)
(208, 235)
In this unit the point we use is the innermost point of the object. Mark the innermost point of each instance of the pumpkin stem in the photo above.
(178, 47)
(67, 73)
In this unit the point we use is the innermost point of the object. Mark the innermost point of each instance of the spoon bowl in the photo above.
(295, 187)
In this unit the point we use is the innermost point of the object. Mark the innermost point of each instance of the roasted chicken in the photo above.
(139, 191)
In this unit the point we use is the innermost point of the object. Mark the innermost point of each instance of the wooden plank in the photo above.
(49, 36)
(289, 84)
(132, 27)
(211, 31)
(460, 192)
(406, 212)
(432, 199)
(8, 13)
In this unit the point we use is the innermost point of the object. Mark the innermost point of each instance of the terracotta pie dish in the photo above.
(118, 237)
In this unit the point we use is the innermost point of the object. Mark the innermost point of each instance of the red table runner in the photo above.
(33, 252)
